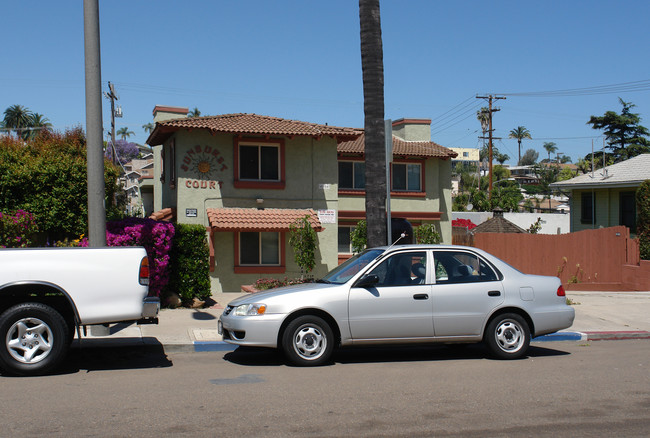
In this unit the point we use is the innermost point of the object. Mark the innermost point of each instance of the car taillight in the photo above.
(144, 271)
(560, 291)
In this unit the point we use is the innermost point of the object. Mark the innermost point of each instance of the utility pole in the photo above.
(113, 97)
(490, 98)
(94, 131)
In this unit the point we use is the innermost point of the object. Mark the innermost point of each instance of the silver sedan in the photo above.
(402, 294)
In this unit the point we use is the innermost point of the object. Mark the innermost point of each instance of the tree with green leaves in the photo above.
(40, 122)
(551, 148)
(124, 133)
(303, 240)
(529, 158)
(372, 66)
(501, 158)
(626, 137)
(643, 219)
(47, 176)
(519, 133)
(148, 127)
(194, 113)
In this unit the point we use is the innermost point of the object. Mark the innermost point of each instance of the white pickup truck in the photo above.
(48, 293)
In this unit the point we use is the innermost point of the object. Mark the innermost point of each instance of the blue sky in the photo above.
(301, 60)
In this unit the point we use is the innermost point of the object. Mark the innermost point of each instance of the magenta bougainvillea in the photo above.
(16, 229)
(466, 223)
(156, 237)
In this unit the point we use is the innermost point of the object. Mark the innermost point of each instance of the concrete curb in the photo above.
(593, 336)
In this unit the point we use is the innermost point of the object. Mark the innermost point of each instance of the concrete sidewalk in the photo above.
(599, 316)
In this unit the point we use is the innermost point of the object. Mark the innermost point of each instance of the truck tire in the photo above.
(34, 337)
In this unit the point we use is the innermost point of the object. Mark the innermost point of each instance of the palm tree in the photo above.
(194, 113)
(483, 116)
(39, 121)
(519, 133)
(125, 133)
(18, 118)
(148, 127)
(372, 66)
(550, 148)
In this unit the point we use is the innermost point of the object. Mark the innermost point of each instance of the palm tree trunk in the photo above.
(372, 64)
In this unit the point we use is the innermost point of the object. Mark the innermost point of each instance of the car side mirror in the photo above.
(367, 281)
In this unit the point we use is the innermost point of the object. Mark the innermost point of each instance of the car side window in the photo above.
(461, 267)
(402, 269)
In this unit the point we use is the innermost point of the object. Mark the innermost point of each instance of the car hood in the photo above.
(280, 291)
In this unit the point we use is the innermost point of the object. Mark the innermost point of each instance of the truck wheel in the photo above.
(34, 337)
(308, 341)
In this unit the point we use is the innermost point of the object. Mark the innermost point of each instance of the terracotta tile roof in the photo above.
(250, 124)
(401, 147)
(166, 214)
(253, 219)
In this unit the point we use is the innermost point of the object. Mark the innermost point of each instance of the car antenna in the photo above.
(403, 235)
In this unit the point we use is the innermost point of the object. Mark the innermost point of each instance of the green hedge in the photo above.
(643, 219)
(190, 263)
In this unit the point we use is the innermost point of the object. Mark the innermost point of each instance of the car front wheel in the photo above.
(35, 338)
(508, 336)
(308, 341)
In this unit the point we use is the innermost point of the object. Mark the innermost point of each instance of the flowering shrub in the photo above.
(16, 229)
(463, 223)
(272, 283)
(156, 237)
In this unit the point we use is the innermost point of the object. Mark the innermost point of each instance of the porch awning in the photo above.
(254, 219)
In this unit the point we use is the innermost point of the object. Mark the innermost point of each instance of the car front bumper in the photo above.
(253, 331)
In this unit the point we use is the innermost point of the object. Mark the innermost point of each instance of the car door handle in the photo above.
(494, 293)
(421, 296)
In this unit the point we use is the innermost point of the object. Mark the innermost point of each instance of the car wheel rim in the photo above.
(29, 340)
(509, 336)
(309, 342)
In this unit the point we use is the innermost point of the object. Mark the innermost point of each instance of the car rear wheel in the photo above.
(35, 338)
(308, 341)
(508, 336)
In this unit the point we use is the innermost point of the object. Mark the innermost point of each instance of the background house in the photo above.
(606, 197)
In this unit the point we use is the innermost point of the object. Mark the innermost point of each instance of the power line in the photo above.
(643, 85)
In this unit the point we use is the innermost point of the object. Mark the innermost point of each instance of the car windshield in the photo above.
(351, 267)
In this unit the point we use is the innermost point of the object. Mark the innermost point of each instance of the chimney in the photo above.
(412, 129)
(162, 113)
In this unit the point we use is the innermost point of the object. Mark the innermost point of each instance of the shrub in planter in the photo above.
(190, 263)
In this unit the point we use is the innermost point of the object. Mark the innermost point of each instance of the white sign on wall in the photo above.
(327, 216)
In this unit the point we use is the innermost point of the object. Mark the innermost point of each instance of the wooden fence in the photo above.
(605, 259)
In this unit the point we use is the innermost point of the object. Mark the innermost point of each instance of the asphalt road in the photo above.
(575, 389)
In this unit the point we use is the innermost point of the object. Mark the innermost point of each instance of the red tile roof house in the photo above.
(247, 178)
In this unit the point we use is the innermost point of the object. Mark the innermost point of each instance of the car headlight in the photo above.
(250, 309)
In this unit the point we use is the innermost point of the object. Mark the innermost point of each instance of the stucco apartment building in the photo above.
(248, 177)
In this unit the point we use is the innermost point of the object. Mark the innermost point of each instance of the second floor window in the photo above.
(259, 162)
(407, 177)
(352, 175)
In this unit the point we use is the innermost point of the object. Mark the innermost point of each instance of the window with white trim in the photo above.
(259, 162)
(352, 175)
(407, 177)
(257, 249)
